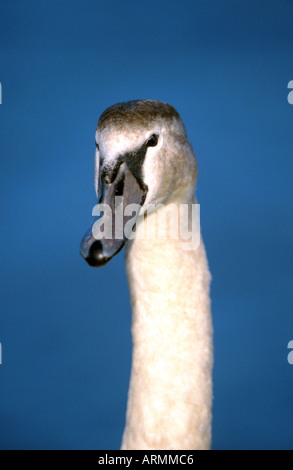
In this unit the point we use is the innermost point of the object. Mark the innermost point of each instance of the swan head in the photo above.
(143, 156)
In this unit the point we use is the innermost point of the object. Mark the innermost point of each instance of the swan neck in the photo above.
(169, 401)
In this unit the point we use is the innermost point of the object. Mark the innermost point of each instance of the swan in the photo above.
(143, 156)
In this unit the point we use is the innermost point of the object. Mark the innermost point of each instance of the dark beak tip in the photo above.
(93, 253)
(96, 263)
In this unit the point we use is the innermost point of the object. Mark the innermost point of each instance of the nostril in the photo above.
(119, 188)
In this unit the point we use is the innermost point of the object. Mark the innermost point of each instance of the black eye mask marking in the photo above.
(134, 160)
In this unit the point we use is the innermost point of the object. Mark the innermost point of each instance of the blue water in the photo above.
(65, 328)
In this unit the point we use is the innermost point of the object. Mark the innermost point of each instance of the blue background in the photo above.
(65, 328)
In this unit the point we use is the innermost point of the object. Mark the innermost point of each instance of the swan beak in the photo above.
(116, 192)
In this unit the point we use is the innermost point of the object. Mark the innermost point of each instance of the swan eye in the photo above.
(153, 140)
(97, 145)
